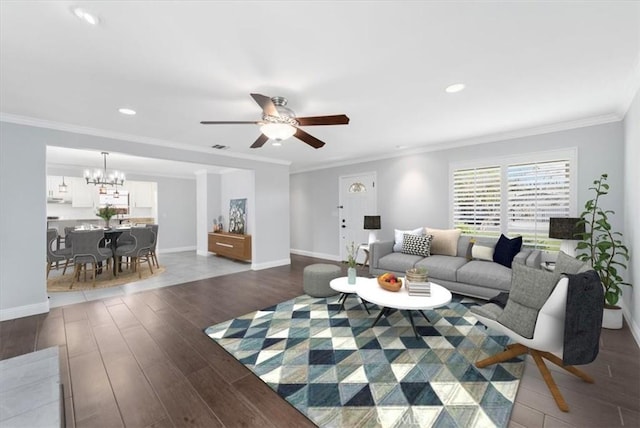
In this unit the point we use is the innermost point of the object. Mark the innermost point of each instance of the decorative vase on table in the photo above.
(351, 262)
(351, 275)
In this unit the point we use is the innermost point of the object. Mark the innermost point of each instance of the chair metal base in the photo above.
(516, 349)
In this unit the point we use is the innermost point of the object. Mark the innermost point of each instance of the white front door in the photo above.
(357, 199)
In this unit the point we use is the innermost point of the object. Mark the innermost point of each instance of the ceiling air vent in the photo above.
(220, 147)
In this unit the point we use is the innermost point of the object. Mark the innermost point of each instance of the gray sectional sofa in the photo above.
(459, 274)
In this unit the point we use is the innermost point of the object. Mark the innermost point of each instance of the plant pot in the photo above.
(351, 276)
(612, 317)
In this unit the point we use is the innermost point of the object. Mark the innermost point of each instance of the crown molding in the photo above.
(76, 129)
(633, 86)
(490, 138)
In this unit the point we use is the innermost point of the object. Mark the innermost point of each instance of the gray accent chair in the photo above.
(140, 250)
(86, 249)
(54, 257)
(534, 319)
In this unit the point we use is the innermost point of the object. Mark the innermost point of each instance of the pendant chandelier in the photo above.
(63, 187)
(100, 177)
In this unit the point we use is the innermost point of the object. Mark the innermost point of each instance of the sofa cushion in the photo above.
(418, 245)
(399, 236)
(465, 243)
(398, 262)
(506, 249)
(530, 289)
(442, 267)
(445, 242)
(485, 274)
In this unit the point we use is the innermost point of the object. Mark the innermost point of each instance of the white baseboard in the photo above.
(24, 311)
(176, 250)
(633, 326)
(267, 265)
(331, 257)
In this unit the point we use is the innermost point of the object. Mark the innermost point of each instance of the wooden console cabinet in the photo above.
(230, 245)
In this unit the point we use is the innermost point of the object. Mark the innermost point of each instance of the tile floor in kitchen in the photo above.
(179, 268)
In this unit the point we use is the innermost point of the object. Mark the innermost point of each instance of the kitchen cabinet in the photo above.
(53, 189)
(142, 194)
(83, 195)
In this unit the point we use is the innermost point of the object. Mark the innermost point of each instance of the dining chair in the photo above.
(86, 249)
(58, 255)
(140, 250)
(154, 257)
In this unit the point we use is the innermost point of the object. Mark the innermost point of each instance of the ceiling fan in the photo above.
(280, 122)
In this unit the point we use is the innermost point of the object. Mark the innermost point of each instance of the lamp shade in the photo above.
(372, 222)
(565, 228)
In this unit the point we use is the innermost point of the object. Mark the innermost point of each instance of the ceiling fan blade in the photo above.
(309, 139)
(260, 141)
(338, 119)
(228, 122)
(267, 105)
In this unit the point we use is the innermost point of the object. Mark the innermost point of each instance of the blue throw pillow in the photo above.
(506, 249)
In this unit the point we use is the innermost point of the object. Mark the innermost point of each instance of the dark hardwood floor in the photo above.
(143, 361)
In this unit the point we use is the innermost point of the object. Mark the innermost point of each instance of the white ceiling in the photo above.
(528, 67)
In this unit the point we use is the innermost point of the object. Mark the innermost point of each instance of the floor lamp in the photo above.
(569, 230)
(372, 223)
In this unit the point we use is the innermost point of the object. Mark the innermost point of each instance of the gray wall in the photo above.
(270, 241)
(23, 178)
(23, 225)
(176, 214)
(631, 296)
(413, 191)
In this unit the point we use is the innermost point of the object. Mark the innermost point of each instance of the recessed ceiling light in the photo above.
(127, 111)
(456, 87)
(85, 16)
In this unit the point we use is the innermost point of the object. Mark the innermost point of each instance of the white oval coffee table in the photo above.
(342, 285)
(387, 300)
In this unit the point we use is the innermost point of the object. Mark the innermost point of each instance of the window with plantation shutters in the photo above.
(476, 201)
(515, 196)
(536, 192)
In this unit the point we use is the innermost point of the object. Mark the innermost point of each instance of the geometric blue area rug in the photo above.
(339, 372)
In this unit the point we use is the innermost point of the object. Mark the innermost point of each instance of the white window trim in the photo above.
(503, 161)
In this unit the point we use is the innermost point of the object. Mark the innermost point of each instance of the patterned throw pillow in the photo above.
(418, 245)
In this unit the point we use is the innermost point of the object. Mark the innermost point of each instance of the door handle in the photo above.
(343, 226)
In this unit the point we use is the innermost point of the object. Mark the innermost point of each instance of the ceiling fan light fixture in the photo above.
(278, 131)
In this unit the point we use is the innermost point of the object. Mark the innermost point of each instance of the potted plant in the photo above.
(605, 252)
(106, 213)
(351, 262)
